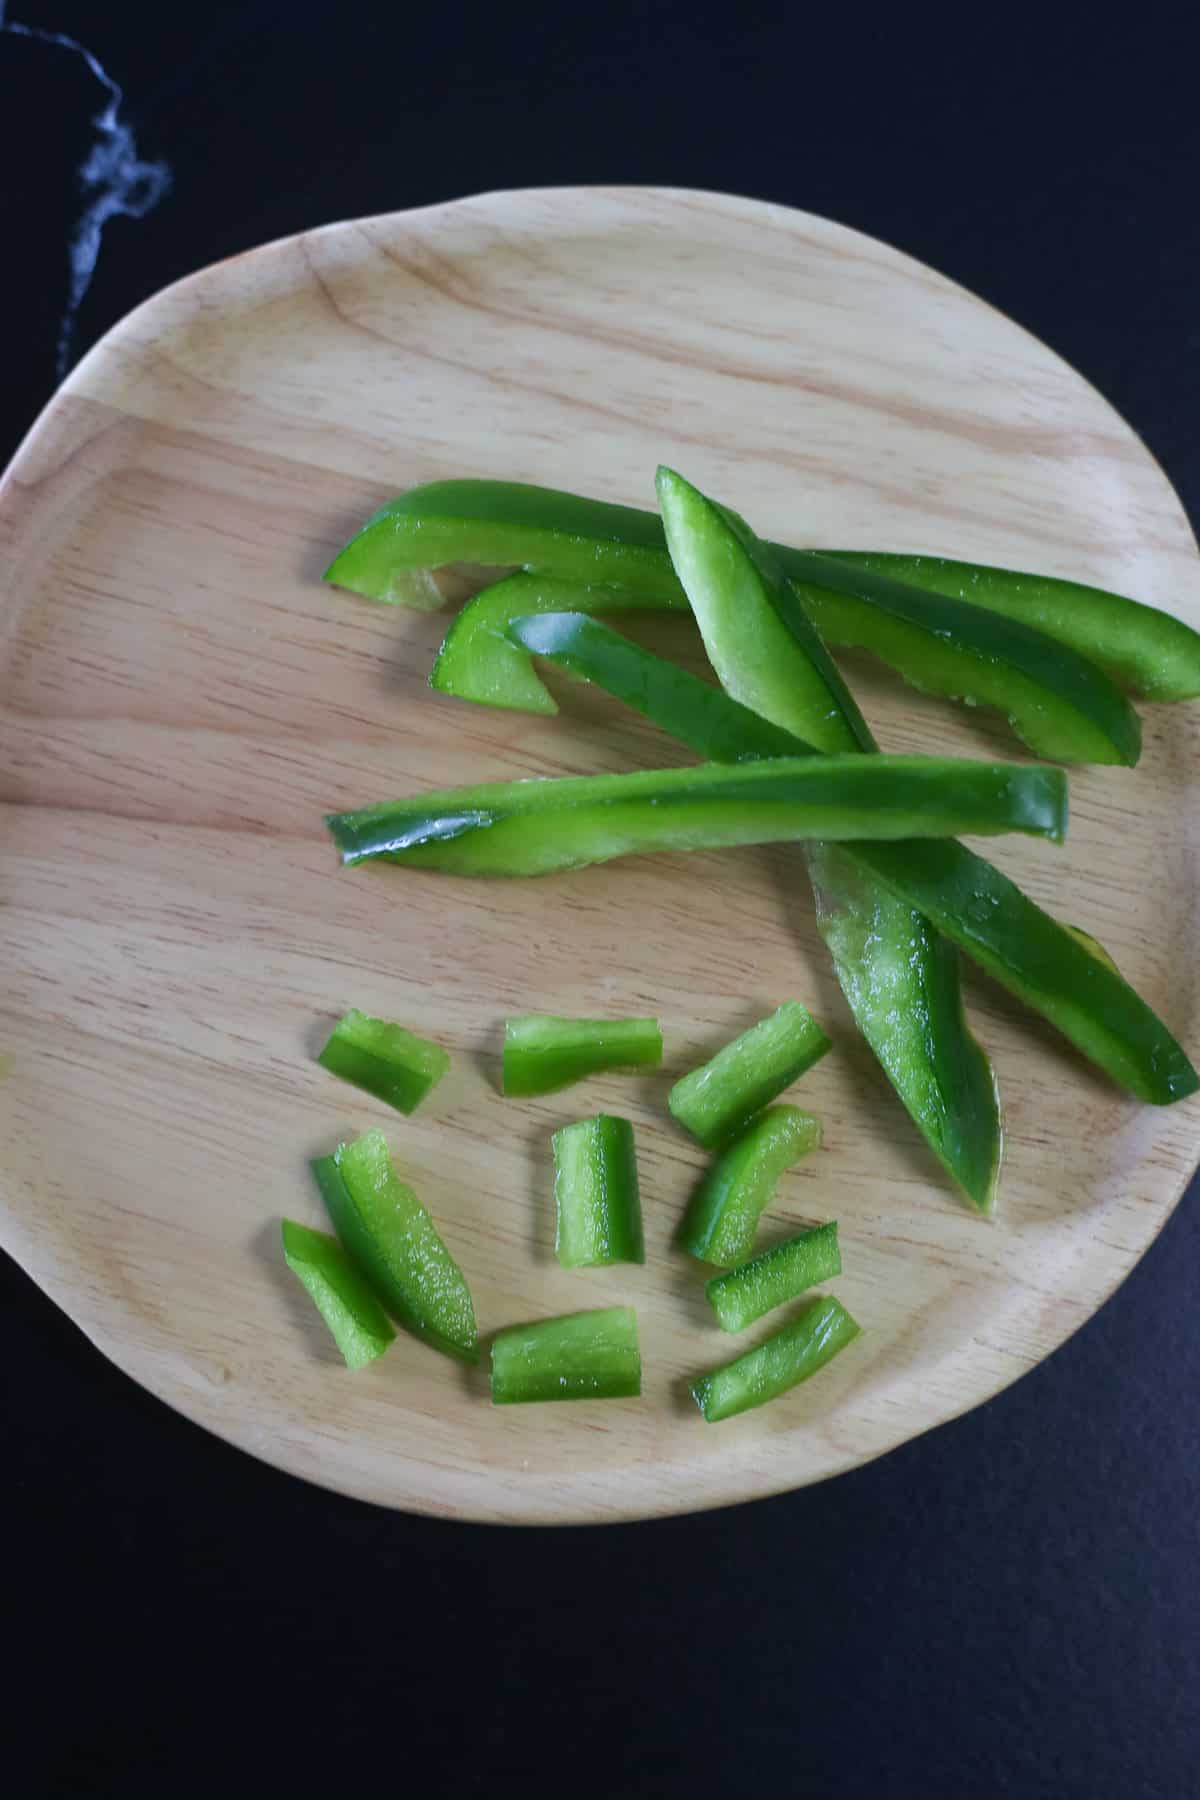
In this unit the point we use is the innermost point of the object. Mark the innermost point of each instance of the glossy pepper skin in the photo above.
(902, 982)
(393, 1240)
(722, 1219)
(1057, 698)
(581, 1356)
(597, 1203)
(719, 1099)
(344, 1298)
(1148, 652)
(742, 1295)
(541, 826)
(384, 1059)
(799, 1350)
(543, 1053)
(985, 914)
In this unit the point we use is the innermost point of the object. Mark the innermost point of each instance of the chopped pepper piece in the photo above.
(395, 1243)
(771, 1368)
(596, 1198)
(581, 1356)
(1027, 651)
(384, 1059)
(719, 1099)
(540, 826)
(720, 1223)
(357, 1322)
(1029, 952)
(742, 1295)
(543, 1053)
(923, 1042)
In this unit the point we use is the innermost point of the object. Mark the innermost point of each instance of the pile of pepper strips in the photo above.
(788, 754)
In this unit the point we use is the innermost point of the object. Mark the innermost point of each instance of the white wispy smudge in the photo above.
(113, 176)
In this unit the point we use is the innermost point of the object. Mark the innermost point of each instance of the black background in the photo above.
(1010, 1606)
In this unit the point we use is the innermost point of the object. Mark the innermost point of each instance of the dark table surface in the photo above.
(1009, 1606)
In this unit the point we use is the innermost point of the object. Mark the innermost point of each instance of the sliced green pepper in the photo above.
(499, 522)
(922, 1041)
(1056, 698)
(710, 721)
(719, 1099)
(395, 1243)
(543, 1053)
(357, 1322)
(582, 1356)
(982, 911)
(1151, 653)
(478, 661)
(1081, 717)
(540, 826)
(742, 1295)
(770, 1369)
(720, 1223)
(598, 1207)
(384, 1059)
(1040, 961)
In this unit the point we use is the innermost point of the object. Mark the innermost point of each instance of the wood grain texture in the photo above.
(181, 700)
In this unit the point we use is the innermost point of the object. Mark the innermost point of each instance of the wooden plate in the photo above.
(182, 699)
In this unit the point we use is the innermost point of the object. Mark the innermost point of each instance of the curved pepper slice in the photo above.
(1044, 963)
(723, 1216)
(479, 662)
(344, 1298)
(537, 827)
(395, 1243)
(920, 1037)
(1004, 663)
(1057, 699)
(770, 1369)
(1149, 652)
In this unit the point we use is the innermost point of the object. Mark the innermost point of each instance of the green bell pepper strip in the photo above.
(543, 1053)
(357, 1322)
(384, 1059)
(921, 1037)
(395, 1243)
(1029, 952)
(597, 1204)
(811, 1340)
(1040, 961)
(1057, 699)
(581, 1356)
(1081, 716)
(540, 826)
(479, 661)
(1150, 653)
(742, 1295)
(721, 1221)
(719, 1099)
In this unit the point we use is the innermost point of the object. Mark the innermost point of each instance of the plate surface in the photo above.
(181, 699)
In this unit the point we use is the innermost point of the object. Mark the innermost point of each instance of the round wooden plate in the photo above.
(182, 699)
